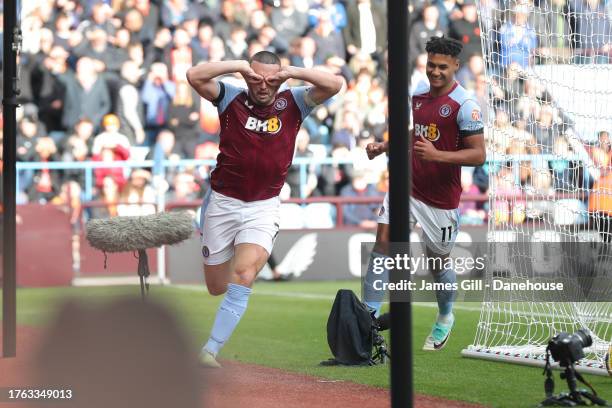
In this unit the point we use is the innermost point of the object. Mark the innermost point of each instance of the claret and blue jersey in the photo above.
(443, 120)
(256, 142)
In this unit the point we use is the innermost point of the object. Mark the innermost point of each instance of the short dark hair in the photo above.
(443, 45)
(265, 57)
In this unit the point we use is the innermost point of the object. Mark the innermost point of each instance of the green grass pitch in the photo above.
(284, 327)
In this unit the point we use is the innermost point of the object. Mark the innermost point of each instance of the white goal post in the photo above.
(548, 105)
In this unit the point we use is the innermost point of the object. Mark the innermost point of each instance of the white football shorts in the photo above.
(226, 222)
(440, 227)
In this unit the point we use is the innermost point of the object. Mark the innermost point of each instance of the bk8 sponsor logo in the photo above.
(429, 132)
(271, 125)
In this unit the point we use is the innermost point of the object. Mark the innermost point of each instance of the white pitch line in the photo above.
(317, 296)
(320, 296)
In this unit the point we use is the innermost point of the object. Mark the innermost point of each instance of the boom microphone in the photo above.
(126, 234)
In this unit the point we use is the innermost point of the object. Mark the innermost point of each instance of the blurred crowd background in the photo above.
(105, 81)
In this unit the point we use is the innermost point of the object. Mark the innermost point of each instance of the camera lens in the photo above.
(585, 338)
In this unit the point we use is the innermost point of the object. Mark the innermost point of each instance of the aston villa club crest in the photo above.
(445, 110)
(280, 104)
(205, 251)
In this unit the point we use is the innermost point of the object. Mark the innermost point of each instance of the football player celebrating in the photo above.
(447, 134)
(240, 214)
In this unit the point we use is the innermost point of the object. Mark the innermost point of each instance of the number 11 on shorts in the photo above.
(445, 233)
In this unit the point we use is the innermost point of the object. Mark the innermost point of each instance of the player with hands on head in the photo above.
(447, 134)
(240, 214)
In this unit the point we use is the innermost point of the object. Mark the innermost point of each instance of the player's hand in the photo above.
(375, 149)
(277, 79)
(425, 150)
(251, 76)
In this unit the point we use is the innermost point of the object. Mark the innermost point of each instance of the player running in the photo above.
(448, 130)
(240, 214)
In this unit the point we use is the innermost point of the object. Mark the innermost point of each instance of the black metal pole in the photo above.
(399, 193)
(9, 103)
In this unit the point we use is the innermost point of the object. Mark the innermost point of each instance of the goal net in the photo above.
(548, 113)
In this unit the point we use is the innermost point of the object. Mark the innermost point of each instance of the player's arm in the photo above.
(325, 84)
(471, 132)
(473, 153)
(375, 149)
(203, 77)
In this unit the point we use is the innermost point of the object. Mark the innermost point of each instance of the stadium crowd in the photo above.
(105, 81)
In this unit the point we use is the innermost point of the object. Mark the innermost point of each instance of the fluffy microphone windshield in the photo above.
(125, 234)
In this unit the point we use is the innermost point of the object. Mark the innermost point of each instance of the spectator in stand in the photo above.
(120, 43)
(157, 94)
(75, 150)
(338, 66)
(236, 45)
(335, 176)
(545, 130)
(137, 196)
(181, 55)
(600, 200)
(366, 28)
(28, 132)
(467, 30)
(328, 41)
(150, 16)
(469, 212)
(593, 30)
(108, 154)
(227, 19)
(111, 136)
(96, 47)
(101, 17)
(603, 137)
(449, 11)
(216, 51)
(306, 54)
(184, 188)
(190, 25)
(48, 91)
(86, 94)
(201, 43)
(62, 32)
(419, 76)
(482, 96)
(184, 117)
(506, 209)
(83, 130)
(302, 141)
(468, 74)
(363, 215)
(134, 22)
(334, 9)
(272, 41)
(174, 12)
(518, 40)
(289, 22)
(45, 183)
(108, 193)
(347, 133)
(159, 50)
(165, 148)
(423, 30)
(130, 107)
(257, 21)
